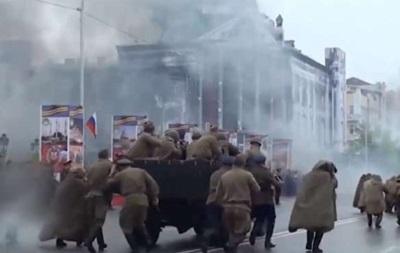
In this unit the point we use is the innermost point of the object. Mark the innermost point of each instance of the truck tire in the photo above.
(153, 224)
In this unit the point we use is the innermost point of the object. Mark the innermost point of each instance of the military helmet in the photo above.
(124, 161)
(172, 134)
(221, 137)
(148, 126)
(196, 135)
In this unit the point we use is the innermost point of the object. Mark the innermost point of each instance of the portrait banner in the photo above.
(281, 153)
(184, 130)
(125, 130)
(54, 135)
(75, 147)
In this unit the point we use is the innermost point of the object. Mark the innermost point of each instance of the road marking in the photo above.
(391, 249)
(283, 234)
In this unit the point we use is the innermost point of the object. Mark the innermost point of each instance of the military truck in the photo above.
(184, 187)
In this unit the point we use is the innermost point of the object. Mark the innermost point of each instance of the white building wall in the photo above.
(310, 120)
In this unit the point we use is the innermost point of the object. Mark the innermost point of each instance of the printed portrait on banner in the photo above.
(76, 136)
(54, 135)
(126, 129)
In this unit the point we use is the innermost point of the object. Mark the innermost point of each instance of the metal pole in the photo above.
(82, 60)
(366, 127)
(201, 79)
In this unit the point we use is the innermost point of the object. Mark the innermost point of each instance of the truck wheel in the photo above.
(153, 224)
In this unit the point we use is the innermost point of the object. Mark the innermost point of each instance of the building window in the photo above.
(352, 129)
(351, 110)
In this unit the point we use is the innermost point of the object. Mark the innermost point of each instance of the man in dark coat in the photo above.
(67, 220)
(263, 201)
(146, 143)
(140, 190)
(65, 171)
(97, 200)
(255, 149)
(227, 147)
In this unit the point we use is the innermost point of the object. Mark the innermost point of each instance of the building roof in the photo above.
(356, 81)
(304, 58)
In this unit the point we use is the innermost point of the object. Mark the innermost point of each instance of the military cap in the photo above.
(124, 161)
(148, 126)
(259, 159)
(227, 160)
(256, 141)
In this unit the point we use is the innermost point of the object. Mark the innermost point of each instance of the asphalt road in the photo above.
(170, 240)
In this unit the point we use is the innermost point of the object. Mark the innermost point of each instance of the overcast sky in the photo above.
(367, 30)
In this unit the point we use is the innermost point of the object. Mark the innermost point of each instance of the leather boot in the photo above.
(130, 238)
(144, 238)
(100, 240)
(378, 221)
(92, 235)
(268, 234)
(317, 242)
(369, 217)
(60, 243)
(310, 240)
(254, 232)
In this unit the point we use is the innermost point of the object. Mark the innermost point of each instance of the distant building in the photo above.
(365, 106)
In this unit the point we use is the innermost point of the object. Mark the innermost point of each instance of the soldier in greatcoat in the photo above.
(357, 203)
(145, 144)
(97, 200)
(390, 197)
(374, 200)
(234, 192)
(169, 149)
(214, 226)
(190, 148)
(140, 190)
(315, 206)
(263, 201)
(397, 199)
(227, 147)
(67, 220)
(207, 147)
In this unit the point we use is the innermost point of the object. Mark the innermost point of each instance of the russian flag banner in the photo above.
(92, 125)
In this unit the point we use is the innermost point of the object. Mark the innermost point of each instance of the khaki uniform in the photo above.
(214, 180)
(168, 150)
(138, 188)
(144, 146)
(190, 150)
(374, 197)
(206, 148)
(390, 198)
(234, 192)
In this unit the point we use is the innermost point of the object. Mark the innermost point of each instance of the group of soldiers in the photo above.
(374, 197)
(242, 189)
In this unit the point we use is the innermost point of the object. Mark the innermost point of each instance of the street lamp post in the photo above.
(35, 150)
(4, 142)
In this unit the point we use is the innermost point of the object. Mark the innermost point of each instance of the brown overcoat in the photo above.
(206, 148)
(359, 189)
(97, 177)
(314, 208)
(144, 146)
(190, 150)
(138, 188)
(67, 216)
(374, 197)
(168, 150)
(228, 148)
(391, 185)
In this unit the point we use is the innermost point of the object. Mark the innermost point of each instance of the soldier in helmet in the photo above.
(214, 209)
(140, 190)
(170, 149)
(226, 147)
(189, 150)
(146, 143)
(234, 191)
(207, 146)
